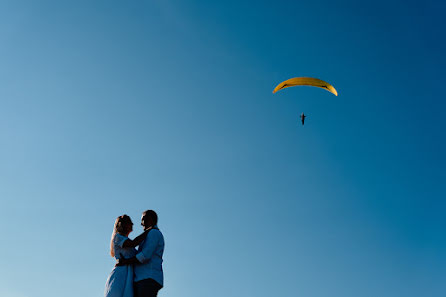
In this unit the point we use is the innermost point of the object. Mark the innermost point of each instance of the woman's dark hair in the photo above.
(151, 214)
(120, 222)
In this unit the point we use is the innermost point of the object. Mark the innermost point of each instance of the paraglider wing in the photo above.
(306, 81)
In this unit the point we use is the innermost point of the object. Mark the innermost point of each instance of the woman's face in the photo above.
(128, 227)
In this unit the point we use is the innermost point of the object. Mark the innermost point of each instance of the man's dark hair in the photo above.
(152, 215)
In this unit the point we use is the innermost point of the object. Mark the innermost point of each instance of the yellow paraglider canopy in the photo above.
(306, 81)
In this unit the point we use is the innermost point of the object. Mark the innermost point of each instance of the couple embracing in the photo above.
(137, 273)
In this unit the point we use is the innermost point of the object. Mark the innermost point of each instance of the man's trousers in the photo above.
(146, 288)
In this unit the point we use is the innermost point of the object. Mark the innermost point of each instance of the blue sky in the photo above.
(112, 107)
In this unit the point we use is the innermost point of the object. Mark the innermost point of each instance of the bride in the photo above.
(120, 281)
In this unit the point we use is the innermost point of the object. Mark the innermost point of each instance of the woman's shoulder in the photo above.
(119, 236)
(119, 239)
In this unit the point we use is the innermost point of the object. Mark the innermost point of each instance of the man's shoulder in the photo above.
(155, 232)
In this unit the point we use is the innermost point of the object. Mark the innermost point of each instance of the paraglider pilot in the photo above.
(302, 117)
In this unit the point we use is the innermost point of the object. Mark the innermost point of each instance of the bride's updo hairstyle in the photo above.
(120, 222)
(118, 228)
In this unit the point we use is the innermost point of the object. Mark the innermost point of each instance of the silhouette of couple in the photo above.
(137, 273)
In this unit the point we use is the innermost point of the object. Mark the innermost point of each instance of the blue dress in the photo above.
(120, 281)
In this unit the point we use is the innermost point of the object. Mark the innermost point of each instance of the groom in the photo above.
(148, 269)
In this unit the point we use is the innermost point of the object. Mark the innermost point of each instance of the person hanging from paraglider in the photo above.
(305, 81)
(302, 118)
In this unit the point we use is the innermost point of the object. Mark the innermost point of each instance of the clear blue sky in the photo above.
(110, 107)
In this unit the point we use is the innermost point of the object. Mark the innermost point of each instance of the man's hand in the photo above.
(123, 261)
(120, 261)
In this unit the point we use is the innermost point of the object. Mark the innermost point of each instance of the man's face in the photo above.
(145, 221)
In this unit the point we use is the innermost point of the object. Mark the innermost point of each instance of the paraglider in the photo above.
(305, 81)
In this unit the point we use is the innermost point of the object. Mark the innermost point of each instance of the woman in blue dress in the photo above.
(120, 281)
